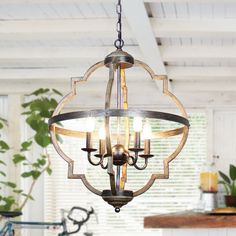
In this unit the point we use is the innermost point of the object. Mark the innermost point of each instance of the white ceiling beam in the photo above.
(188, 73)
(204, 86)
(178, 73)
(152, 57)
(91, 89)
(141, 28)
(98, 53)
(61, 74)
(97, 27)
(60, 26)
(177, 53)
(193, 27)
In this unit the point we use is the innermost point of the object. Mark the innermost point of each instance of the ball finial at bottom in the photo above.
(117, 209)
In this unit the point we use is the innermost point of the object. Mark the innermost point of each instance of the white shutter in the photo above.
(180, 192)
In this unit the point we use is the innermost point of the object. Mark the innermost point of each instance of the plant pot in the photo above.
(230, 201)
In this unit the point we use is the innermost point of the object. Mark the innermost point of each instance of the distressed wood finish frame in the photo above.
(54, 129)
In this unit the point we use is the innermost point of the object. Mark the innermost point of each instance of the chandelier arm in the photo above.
(90, 160)
(89, 186)
(127, 135)
(166, 162)
(180, 146)
(57, 147)
(174, 98)
(71, 175)
(63, 102)
(149, 184)
(111, 173)
(133, 160)
(110, 169)
(146, 67)
(66, 99)
(91, 70)
(70, 162)
(118, 106)
(107, 106)
(165, 86)
(144, 165)
(102, 165)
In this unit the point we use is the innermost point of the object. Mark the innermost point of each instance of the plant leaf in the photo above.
(233, 189)
(224, 177)
(24, 105)
(26, 174)
(25, 145)
(39, 91)
(42, 140)
(9, 184)
(57, 92)
(18, 158)
(4, 145)
(49, 171)
(2, 173)
(9, 202)
(226, 186)
(232, 172)
(35, 174)
(41, 162)
(33, 121)
(26, 113)
(26, 195)
(2, 162)
(18, 191)
(3, 120)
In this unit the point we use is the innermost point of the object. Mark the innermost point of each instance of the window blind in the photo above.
(178, 193)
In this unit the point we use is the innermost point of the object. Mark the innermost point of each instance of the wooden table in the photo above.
(190, 220)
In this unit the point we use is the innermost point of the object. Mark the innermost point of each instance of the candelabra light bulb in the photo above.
(90, 124)
(137, 124)
(147, 131)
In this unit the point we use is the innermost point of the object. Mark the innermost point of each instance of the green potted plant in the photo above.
(37, 111)
(229, 183)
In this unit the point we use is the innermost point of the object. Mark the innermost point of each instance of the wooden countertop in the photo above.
(190, 220)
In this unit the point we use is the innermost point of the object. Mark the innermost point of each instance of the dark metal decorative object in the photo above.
(118, 157)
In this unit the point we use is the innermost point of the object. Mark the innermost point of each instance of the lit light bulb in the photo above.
(137, 124)
(102, 133)
(90, 124)
(147, 131)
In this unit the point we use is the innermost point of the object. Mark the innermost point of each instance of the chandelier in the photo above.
(130, 143)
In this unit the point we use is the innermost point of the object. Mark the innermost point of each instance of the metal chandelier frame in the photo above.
(119, 155)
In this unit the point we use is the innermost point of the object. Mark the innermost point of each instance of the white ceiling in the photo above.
(193, 41)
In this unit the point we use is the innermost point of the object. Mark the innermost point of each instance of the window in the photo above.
(180, 192)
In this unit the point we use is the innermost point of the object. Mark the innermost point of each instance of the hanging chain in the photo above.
(119, 43)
